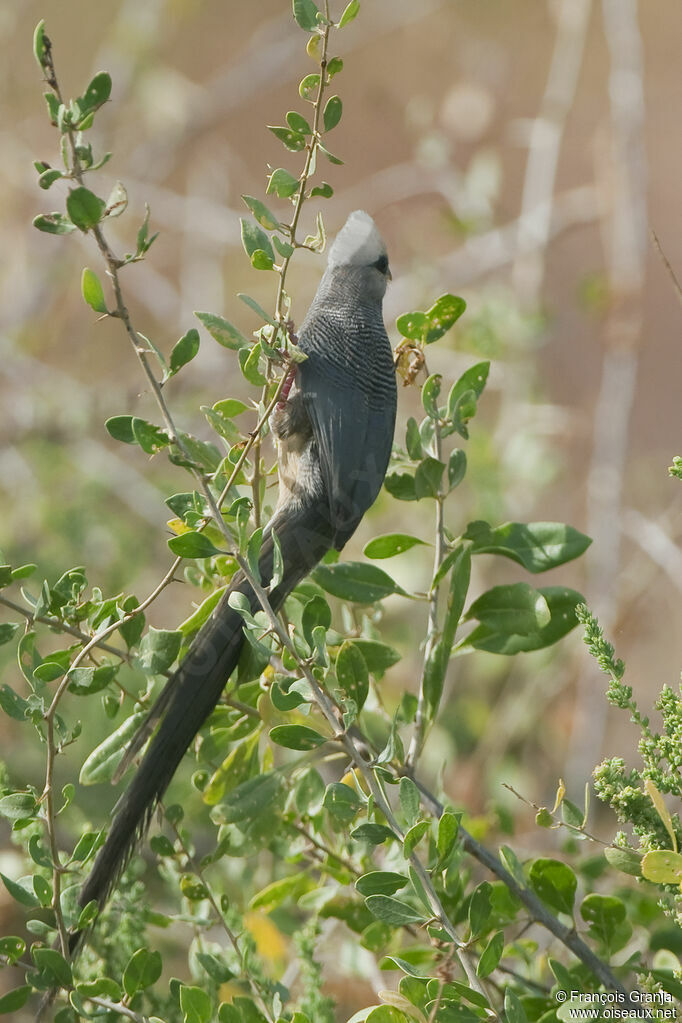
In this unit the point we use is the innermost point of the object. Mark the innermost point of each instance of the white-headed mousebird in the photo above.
(334, 435)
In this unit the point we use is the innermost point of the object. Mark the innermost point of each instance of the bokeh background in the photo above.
(518, 153)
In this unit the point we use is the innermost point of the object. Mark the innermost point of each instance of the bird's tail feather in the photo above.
(191, 693)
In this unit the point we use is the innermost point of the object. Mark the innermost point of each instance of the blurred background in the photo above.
(517, 154)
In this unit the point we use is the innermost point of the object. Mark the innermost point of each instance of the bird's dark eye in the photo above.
(381, 264)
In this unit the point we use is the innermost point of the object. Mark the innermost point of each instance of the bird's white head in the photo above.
(358, 243)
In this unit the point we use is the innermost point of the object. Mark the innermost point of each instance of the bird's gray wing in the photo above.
(352, 421)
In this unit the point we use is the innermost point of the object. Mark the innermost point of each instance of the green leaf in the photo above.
(413, 441)
(8, 630)
(324, 191)
(86, 681)
(277, 892)
(428, 327)
(380, 882)
(386, 1013)
(195, 1004)
(144, 242)
(373, 833)
(286, 251)
(53, 223)
(282, 184)
(439, 656)
(457, 467)
(183, 352)
(309, 87)
(222, 331)
(341, 802)
(121, 428)
(448, 827)
(414, 837)
(23, 572)
(555, 883)
(390, 544)
(352, 674)
(142, 970)
(261, 260)
(561, 603)
(401, 485)
(18, 805)
(430, 392)
(330, 156)
(513, 1008)
(192, 545)
(251, 799)
(12, 948)
(413, 326)
(158, 650)
(101, 765)
(332, 112)
(607, 917)
(355, 581)
(48, 177)
(93, 293)
(316, 612)
(334, 66)
(52, 963)
(305, 13)
(309, 793)
(538, 546)
(473, 379)
(516, 609)
(53, 107)
(378, 656)
(96, 94)
(254, 238)
(428, 478)
(349, 13)
(299, 737)
(230, 407)
(294, 141)
(480, 907)
(297, 122)
(491, 955)
(17, 998)
(393, 911)
(21, 890)
(662, 866)
(248, 361)
(261, 212)
(626, 860)
(101, 987)
(39, 52)
(151, 438)
(513, 864)
(84, 208)
(410, 800)
(215, 967)
(445, 311)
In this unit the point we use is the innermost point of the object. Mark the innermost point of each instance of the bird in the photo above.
(334, 433)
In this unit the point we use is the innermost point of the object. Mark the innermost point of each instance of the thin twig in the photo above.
(666, 264)
(432, 635)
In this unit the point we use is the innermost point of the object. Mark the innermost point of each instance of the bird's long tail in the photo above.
(304, 536)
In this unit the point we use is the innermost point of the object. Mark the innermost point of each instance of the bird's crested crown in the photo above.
(358, 243)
